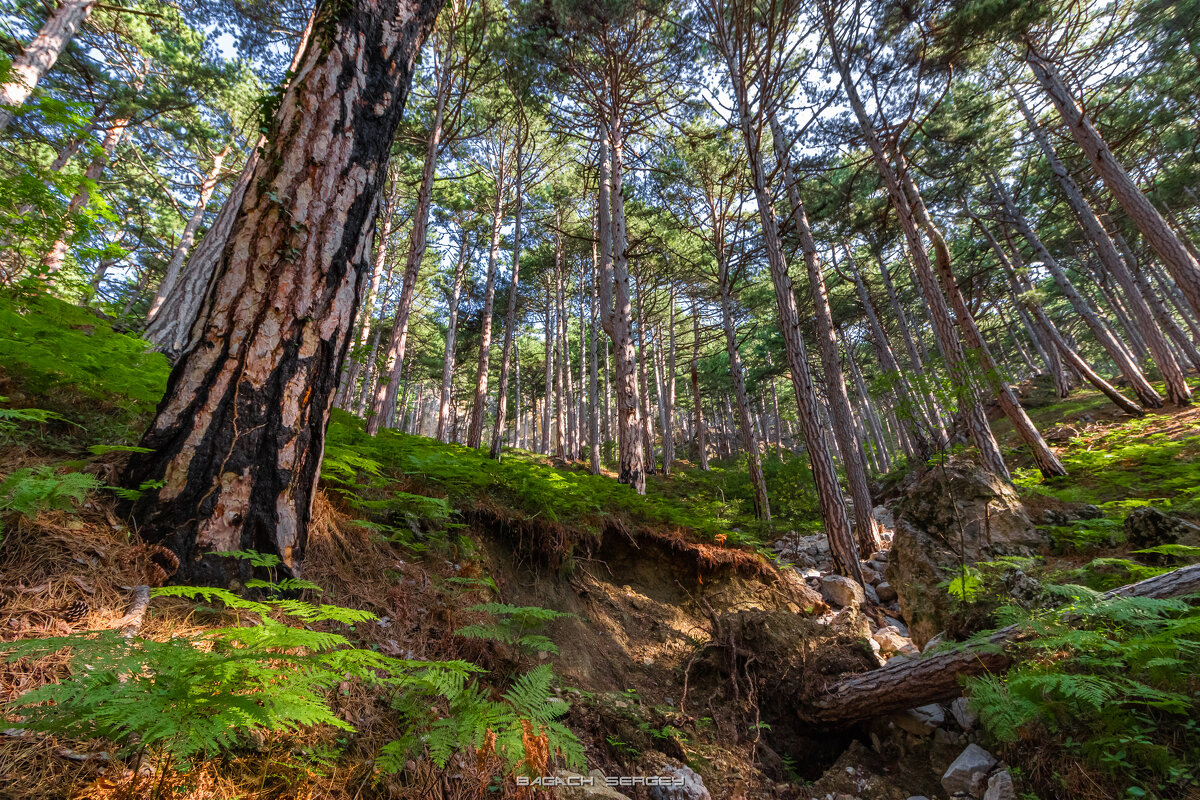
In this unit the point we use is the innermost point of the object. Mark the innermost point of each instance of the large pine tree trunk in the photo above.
(239, 435)
(479, 404)
(594, 443)
(972, 410)
(1048, 463)
(40, 55)
(1175, 256)
(866, 528)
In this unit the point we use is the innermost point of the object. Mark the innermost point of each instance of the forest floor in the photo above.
(669, 599)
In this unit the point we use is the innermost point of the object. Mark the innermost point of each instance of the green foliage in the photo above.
(517, 626)
(445, 714)
(1118, 693)
(72, 360)
(190, 697)
(11, 418)
(32, 489)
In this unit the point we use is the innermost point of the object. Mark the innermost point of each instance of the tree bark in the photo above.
(239, 434)
(937, 677)
(40, 55)
(699, 436)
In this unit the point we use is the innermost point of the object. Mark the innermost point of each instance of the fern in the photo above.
(32, 489)
(517, 626)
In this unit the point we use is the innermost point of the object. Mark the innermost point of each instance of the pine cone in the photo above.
(76, 611)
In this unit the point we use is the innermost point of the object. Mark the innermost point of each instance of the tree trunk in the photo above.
(645, 417)
(762, 504)
(40, 55)
(667, 398)
(367, 310)
(1175, 256)
(937, 677)
(594, 369)
(207, 185)
(239, 434)
(56, 256)
(866, 528)
(614, 261)
(479, 404)
(548, 400)
(1116, 352)
(699, 435)
(507, 356)
(443, 430)
(383, 406)
(829, 494)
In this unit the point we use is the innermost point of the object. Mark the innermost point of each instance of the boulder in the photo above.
(943, 515)
(1149, 527)
(885, 591)
(1000, 787)
(921, 721)
(969, 772)
(693, 787)
(842, 591)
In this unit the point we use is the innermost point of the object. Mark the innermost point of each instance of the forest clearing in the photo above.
(584, 399)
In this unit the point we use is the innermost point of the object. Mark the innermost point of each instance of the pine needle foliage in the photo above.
(1111, 681)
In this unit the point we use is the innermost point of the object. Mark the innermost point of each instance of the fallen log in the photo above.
(934, 678)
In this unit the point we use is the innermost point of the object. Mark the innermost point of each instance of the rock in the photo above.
(593, 787)
(920, 721)
(1025, 590)
(1149, 527)
(693, 787)
(1089, 511)
(871, 594)
(885, 591)
(925, 552)
(968, 774)
(1000, 787)
(870, 576)
(898, 625)
(842, 591)
(883, 515)
(891, 641)
(963, 715)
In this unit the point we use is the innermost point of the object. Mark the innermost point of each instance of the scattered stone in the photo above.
(1149, 527)
(920, 721)
(1025, 590)
(898, 625)
(968, 774)
(1000, 787)
(885, 591)
(870, 576)
(693, 787)
(963, 715)
(934, 641)
(842, 591)
(872, 595)
(1089, 511)
(892, 641)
